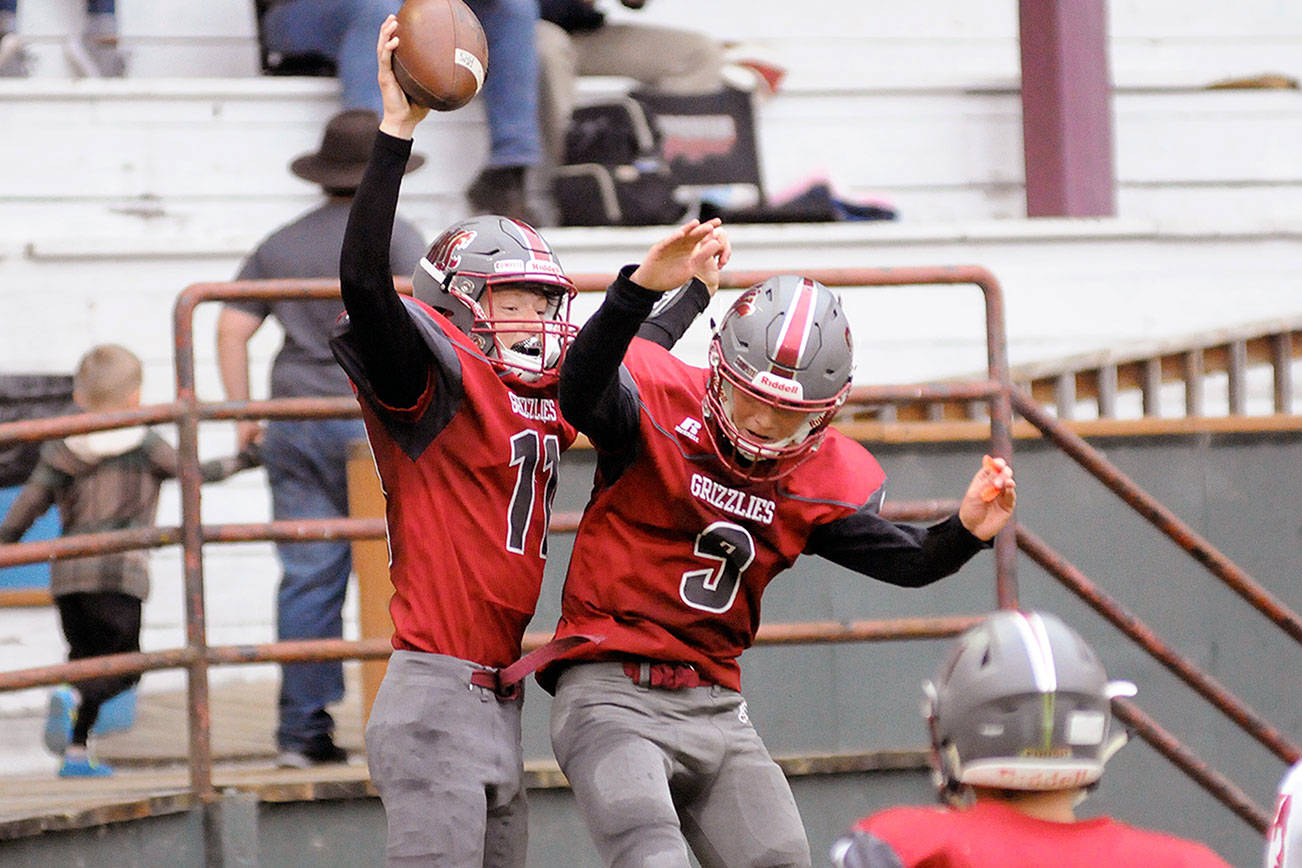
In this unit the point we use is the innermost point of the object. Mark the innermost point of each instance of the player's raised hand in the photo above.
(989, 500)
(709, 257)
(694, 249)
(401, 115)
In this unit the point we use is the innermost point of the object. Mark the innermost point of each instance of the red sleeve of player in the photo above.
(916, 835)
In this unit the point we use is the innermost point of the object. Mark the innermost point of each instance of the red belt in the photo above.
(667, 676)
(505, 683)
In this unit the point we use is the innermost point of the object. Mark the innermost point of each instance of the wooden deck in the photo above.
(152, 774)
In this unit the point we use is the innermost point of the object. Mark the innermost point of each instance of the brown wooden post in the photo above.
(371, 563)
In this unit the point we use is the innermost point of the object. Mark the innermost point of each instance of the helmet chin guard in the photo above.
(784, 343)
(541, 349)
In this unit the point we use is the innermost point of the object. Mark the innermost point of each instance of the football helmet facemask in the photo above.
(784, 343)
(468, 260)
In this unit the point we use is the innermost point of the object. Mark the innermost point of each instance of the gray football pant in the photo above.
(446, 759)
(650, 767)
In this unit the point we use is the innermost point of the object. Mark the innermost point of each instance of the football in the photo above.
(442, 55)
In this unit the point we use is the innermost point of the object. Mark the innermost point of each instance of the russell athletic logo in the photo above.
(690, 428)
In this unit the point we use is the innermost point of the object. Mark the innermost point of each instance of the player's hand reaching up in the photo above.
(400, 114)
(989, 500)
(694, 249)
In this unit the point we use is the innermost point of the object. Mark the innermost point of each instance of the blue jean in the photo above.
(346, 31)
(510, 92)
(343, 30)
(306, 465)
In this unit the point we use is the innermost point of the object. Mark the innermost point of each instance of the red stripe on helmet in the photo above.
(533, 241)
(797, 325)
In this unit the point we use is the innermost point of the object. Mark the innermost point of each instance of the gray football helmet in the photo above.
(785, 342)
(1022, 702)
(457, 275)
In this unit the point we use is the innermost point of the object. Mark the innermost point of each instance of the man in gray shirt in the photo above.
(306, 459)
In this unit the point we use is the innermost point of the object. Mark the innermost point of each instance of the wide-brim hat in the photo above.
(345, 150)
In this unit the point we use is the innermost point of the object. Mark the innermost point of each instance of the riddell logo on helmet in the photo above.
(545, 265)
(533, 266)
(780, 386)
(1044, 779)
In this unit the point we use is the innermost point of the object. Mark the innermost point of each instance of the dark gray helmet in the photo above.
(785, 342)
(1022, 702)
(457, 275)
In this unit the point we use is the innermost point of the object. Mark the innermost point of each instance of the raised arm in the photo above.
(674, 314)
(591, 395)
(396, 359)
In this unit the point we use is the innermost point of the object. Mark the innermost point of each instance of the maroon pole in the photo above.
(1067, 109)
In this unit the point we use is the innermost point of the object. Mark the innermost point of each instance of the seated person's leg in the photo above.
(94, 52)
(667, 58)
(557, 77)
(510, 98)
(296, 29)
(357, 54)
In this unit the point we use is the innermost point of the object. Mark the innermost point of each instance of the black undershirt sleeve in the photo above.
(396, 359)
(899, 554)
(591, 397)
(680, 310)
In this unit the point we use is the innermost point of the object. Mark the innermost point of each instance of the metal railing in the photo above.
(187, 411)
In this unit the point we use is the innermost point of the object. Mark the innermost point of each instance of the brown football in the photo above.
(442, 54)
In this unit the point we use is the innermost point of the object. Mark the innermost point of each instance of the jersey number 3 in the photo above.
(535, 465)
(714, 589)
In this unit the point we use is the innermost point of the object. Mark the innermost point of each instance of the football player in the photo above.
(1020, 718)
(709, 483)
(457, 388)
(1284, 837)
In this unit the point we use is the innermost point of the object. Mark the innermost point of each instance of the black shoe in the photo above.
(500, 190)
(321, 750)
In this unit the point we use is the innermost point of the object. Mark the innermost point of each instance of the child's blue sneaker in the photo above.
(58, 723)
(84, 767)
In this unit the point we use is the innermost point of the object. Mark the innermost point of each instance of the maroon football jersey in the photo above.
(993, 835)
(469, 474)
(671, 558)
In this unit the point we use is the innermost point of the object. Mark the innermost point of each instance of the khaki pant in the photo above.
(666, 58)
